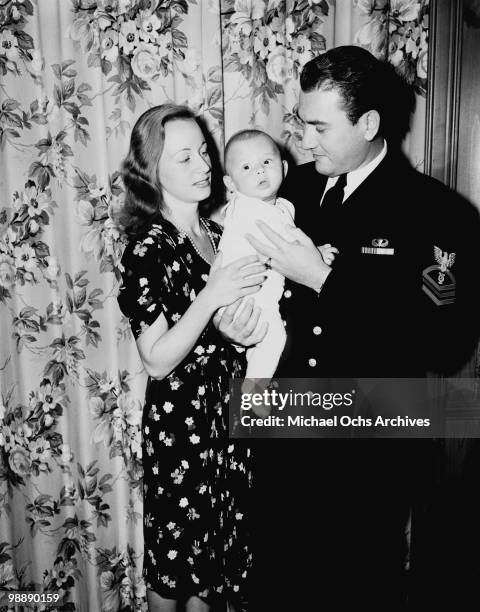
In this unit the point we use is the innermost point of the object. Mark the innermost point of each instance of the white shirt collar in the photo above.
(356, 177)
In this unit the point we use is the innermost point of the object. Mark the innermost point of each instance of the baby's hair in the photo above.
(250, 134)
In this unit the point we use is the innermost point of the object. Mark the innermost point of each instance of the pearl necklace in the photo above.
(186, 234)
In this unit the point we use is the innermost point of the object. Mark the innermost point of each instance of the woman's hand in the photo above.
(240, 278)
(240, 326)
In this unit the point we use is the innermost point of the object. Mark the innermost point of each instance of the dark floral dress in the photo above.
(196, 480)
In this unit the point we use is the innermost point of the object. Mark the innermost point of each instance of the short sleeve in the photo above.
(142, 295)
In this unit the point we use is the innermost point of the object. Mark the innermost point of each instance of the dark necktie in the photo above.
(333, 198)
(330, 209)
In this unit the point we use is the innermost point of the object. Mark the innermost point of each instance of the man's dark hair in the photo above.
(353, 72)
(364, 83)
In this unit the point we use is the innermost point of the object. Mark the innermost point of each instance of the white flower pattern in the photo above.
(185, 430)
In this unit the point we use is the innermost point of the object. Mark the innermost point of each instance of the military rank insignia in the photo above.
(379, 247)
(438, 280)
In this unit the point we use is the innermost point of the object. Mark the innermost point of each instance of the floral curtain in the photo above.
(74, 76)
(265, 43)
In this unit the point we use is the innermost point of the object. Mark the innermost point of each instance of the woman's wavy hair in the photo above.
(143, 203)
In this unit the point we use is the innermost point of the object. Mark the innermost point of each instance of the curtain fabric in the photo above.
(74, 76)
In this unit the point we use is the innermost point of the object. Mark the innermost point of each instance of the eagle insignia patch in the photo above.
(438, 280)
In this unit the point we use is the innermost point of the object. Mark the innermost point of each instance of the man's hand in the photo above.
(241, 330)
(299, 260)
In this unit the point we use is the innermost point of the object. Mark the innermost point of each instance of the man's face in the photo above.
(337, 145)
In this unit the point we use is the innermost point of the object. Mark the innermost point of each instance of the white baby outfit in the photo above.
(241, 216)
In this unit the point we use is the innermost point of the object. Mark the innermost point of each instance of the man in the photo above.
(397, 301)
(374, 313)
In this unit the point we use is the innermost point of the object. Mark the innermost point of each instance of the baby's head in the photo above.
(254, 165)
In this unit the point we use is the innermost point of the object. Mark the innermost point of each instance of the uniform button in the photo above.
(312, 362)
(287, 293)
(317, 330)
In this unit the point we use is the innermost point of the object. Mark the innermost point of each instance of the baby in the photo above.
(254, 172)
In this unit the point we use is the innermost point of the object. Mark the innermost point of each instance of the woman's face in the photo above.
(184, 167)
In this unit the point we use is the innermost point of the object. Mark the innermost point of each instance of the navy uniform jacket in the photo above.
(381, 311)
(345, 502)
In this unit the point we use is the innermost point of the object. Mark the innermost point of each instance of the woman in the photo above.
(195, 481)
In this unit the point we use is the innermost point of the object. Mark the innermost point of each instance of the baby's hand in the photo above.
(328, 253)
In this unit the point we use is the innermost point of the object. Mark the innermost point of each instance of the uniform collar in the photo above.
(356, 177)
